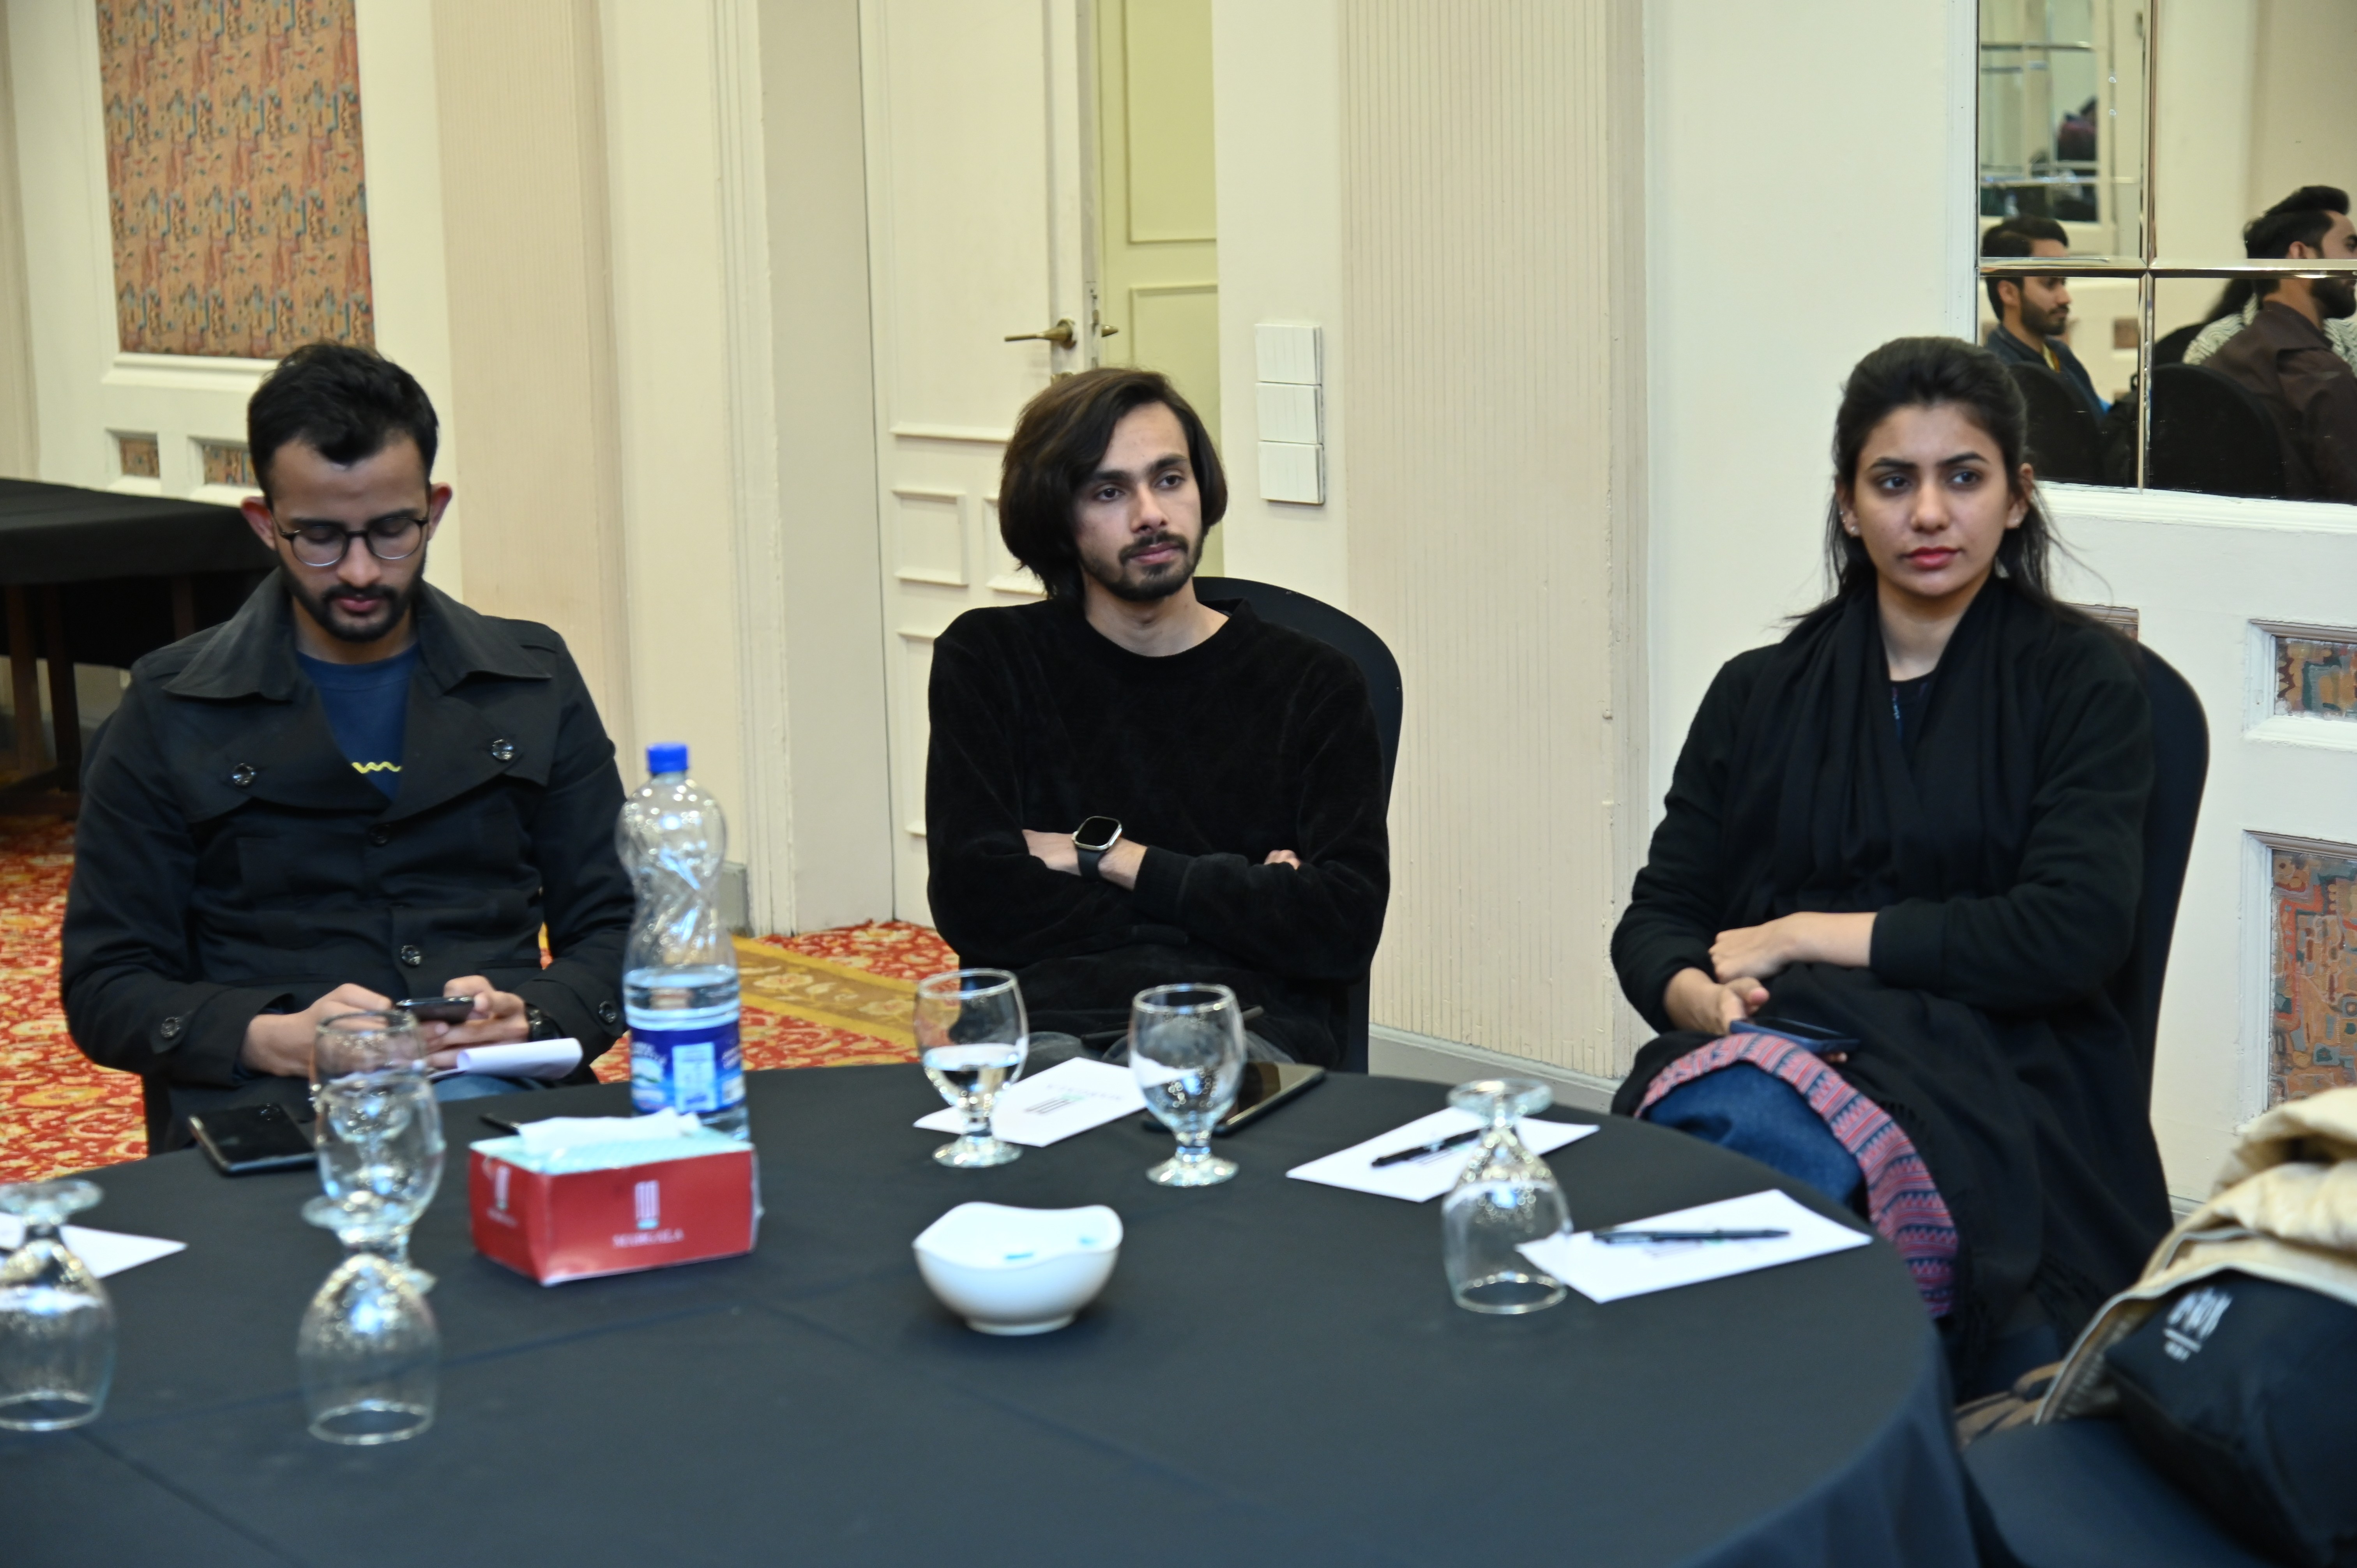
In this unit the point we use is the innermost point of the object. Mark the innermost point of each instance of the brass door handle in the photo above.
(1063, 334)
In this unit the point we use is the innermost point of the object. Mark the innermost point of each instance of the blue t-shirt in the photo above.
(368, 707)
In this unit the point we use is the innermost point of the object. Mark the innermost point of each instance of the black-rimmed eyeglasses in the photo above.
(325, 543)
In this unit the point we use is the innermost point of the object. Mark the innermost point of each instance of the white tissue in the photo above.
(561, 1135)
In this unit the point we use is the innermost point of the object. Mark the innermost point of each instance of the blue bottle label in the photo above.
(685, 1060)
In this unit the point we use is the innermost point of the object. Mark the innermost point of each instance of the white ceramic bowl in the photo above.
(1019, 1271)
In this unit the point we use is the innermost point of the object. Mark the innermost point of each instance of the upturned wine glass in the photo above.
(370, 1353)
(1186, 1053)
(972, 1036)
(1506, 1196)
(57, 1322)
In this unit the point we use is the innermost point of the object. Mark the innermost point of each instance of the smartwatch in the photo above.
(1092, 838)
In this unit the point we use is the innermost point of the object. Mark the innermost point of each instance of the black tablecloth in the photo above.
(1275, 1374)
(64, 533)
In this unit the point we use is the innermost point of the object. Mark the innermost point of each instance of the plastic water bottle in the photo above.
(679, 972)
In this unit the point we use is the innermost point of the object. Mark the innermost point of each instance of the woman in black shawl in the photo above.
(1900, 857)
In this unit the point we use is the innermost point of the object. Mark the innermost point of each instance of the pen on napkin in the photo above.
(1437, 1146)
(1609, 1236)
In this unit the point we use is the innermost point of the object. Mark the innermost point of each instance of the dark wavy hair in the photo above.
(1927, 373)
(1057, 443)
(344, 403)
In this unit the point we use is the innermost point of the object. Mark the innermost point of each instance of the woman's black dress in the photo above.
(2005, 858)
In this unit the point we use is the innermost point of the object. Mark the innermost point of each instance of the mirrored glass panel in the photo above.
(2071, 342)
(2257, 396)
(2257, 99)
(2061, 118)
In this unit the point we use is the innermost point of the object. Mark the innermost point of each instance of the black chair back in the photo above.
(2064, 443)
(2170, 348)
(2211, 433)
(2180, 765)
(1315, 617)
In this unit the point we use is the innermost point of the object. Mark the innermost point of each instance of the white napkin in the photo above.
(107, 1251)
(1069, 1098)
(549, 1060)
(1421, 1180)
(1608, 1273)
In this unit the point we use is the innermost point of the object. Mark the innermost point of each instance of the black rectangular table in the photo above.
(99, 577)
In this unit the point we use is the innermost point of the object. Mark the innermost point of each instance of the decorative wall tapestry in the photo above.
(2314, 1043)
(2316, 675)
(233, 172)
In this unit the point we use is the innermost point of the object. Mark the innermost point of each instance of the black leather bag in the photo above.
(2240, 1389)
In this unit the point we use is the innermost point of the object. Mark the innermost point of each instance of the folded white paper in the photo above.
(1421, 1180)
(107, 1251)
(524, 1058)
(1608, 1273)
(1070, 1097)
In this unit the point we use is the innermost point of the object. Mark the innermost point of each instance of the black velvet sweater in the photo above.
(1259, 738)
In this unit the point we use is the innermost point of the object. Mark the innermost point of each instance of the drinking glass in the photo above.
(369, 1350)
(365, 1042)
(57, 1322)
(1506, 1196)
(1187, 1052)
(972, 1036)
(380, 1132)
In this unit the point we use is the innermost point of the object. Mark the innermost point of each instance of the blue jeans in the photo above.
(1741, 1107)
(482, 1086)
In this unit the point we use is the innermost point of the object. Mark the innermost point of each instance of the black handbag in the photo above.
(2243, 1392)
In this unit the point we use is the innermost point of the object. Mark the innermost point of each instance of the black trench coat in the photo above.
(229, 861)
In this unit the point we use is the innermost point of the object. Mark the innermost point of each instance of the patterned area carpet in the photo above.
(821, 999)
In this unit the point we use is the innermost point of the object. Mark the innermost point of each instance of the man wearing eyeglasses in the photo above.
(356, 791)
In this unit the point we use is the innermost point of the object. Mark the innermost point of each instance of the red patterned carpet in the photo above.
(821, 999)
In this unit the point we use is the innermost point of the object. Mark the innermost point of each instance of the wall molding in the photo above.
(766, 846)
(2190, 509)
(1403, 1053)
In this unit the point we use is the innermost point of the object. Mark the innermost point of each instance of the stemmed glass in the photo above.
(370, 1353)
(57, 1322)
(380, 1133)
(972, 1038)
(1506, 1196)
(1187, 1052)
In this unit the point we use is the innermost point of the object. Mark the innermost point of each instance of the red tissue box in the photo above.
(581, 1224)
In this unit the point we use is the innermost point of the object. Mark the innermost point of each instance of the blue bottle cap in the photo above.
(667, 757)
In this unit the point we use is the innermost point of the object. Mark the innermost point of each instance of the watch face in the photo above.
(1097, 834)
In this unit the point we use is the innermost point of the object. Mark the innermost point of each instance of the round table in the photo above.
(1275, 1375)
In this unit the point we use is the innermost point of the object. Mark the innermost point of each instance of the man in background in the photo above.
(354, 790)
(1129, 785)
(2284, 355)
(2033, 310)
(2238, 302)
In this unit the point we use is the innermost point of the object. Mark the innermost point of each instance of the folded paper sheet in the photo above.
(1421, 1180)
(548, 1059)
(1602, 1273)
(107, 1251)
(1070, 1097)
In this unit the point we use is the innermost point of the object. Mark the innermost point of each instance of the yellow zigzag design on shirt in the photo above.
(376, 767)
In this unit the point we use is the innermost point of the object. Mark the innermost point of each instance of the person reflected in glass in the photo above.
(2033, 313)
(2238, 302)
(1127, 785)
(2285, 360)
(1899, 860)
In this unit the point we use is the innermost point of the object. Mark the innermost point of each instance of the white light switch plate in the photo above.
(1290, 412)
(1290, 471)
(1287, 351)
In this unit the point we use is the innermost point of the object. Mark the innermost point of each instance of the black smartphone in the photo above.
(1265, 1086)
(438, 1009)
(249, 1138)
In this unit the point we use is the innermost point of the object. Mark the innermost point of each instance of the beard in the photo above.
(390, 605)
(2336, 298)
(2045, 323)
(1144, 584)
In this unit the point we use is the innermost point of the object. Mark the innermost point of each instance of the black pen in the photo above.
(1435, 1147)
(502, 1123)
(1609, 1236)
